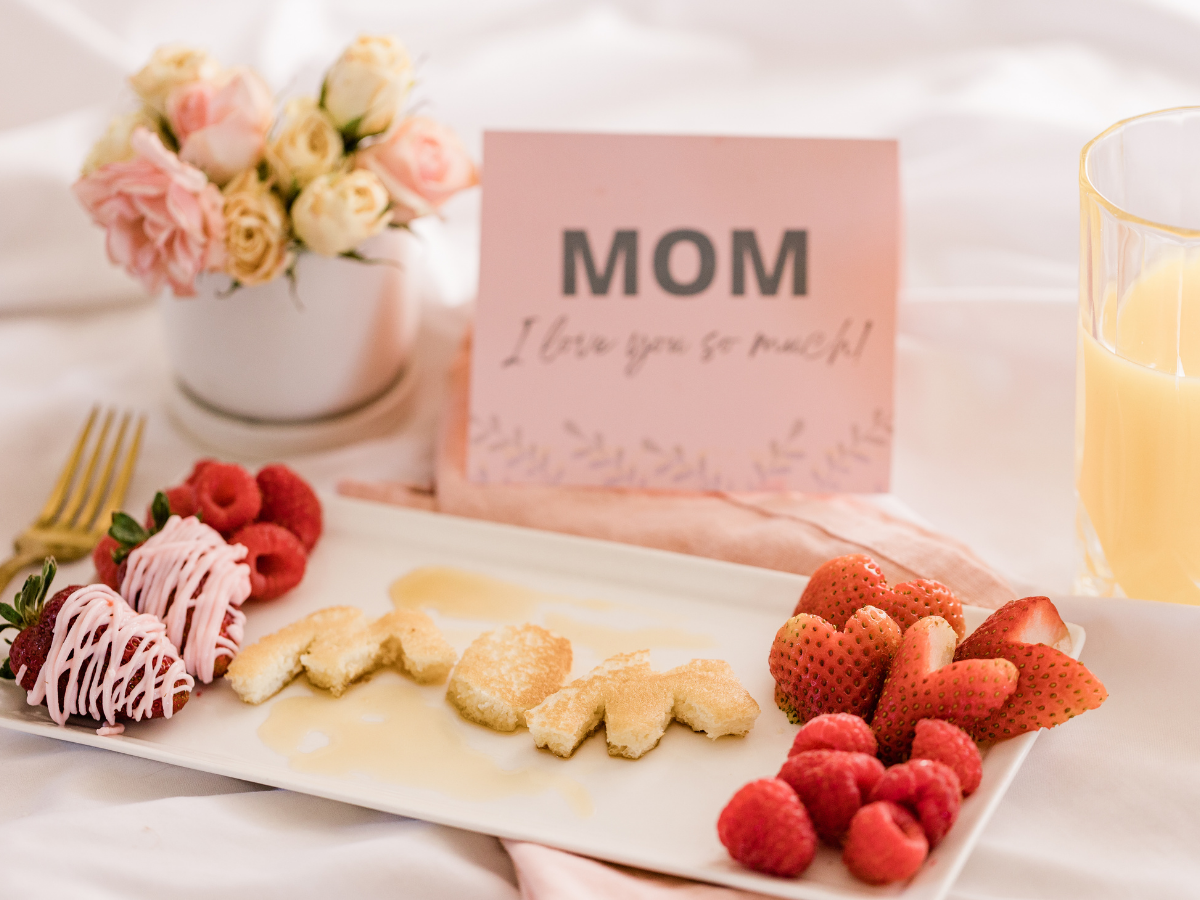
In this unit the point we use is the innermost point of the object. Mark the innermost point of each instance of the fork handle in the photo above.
(16, 563)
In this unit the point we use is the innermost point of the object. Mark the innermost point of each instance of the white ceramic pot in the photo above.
(264, 354)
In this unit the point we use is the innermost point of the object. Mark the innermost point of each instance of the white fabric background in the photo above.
(991, 103)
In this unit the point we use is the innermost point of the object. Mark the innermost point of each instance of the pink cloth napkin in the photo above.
(791, 532)
(546, 874)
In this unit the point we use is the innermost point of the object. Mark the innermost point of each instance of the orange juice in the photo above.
(1138, 436)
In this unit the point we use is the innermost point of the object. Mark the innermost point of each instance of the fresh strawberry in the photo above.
(835, 731)
(227, 496)
(841, 587)
(276, 558)
(844, 585)
(287, 500)
(928, 789)
(102, 558)
(924, 683)
(1053, 687)
(832, 785)
(93, 610)
(884, 844)
(947, 743)
(766, 828)
(914, 600)
(819, 669)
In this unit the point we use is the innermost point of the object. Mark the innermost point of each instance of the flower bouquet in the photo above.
(204, 177)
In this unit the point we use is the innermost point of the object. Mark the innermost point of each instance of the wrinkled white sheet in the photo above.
(991, 103)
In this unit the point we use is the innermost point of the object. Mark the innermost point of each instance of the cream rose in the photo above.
(308, 145)
(256, 231)
(365, 88)
(422, 164)
(114, 146)
(170, 67)
(337, 212)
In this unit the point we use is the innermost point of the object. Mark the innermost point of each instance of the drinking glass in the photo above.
(1137, 424)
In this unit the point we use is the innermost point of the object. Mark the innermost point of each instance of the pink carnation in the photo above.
(163, 218)
(422, 164)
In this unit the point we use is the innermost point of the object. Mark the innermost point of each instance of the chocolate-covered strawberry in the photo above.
(87, 653)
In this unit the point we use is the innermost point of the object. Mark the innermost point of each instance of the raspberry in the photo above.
(106, 569)
(949, 744)
(182, 499)
(287, 500)
(765, 827)
(227, 497)
(929, 789)
(276, 559)
(835, 731)
(884, 844)
(200, 466)
(832, 785)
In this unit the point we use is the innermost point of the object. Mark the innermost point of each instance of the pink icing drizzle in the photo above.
(176, 560)
(79, 648)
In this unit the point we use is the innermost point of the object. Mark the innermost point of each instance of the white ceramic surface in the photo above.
(656, 813)
(261, 353)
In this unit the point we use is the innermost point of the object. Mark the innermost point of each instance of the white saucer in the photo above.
(250, 439)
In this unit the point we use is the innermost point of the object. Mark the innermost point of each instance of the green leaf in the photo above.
(160, 509)
(126, 530)
(6, 671)
(12, 615)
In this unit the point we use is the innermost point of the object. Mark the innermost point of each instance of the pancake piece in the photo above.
(337, 646)
(263, 669)
(406, 637)
(637, 704)
(561, 721)
(505, 673)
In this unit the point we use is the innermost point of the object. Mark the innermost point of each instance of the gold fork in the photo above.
(80, 507)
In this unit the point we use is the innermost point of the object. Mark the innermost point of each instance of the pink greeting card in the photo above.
(692, 313)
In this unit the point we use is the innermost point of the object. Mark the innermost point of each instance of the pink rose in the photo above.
(422, 164)
(164, 218)
(221, 127)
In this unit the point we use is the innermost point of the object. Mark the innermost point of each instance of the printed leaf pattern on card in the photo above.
(510, 456)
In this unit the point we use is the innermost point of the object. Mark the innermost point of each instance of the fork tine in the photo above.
(116, 496)
(83, 483)
(46, 516)
(101, 484)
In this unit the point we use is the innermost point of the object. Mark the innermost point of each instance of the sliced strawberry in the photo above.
(1052, 688)
(832, 785)
(276, 559)
(924, 683)
(914, 600)
(844, 585)
(819, 669)
(288, 500)
(841, 587)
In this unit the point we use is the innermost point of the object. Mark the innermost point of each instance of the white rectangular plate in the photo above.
(655, 813)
